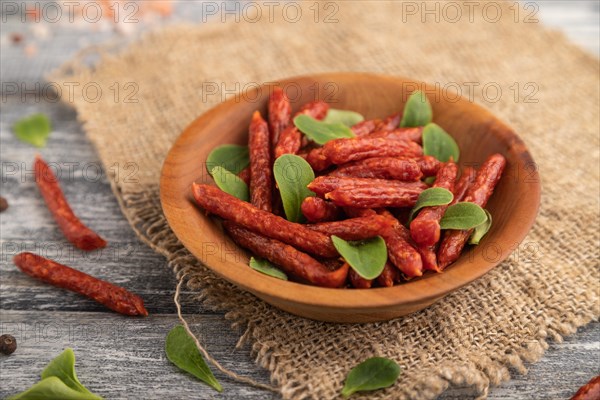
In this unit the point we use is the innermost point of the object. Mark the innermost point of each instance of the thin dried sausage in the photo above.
(374, 197)
(215, 201)
(316, 209)
(261, 178)
(353, 228)
(292, 261)
(112, 296)
(290, 139)
(402, 169)
(280, 112)
(74, 230)
(425, 228)
(358, 281)
(325, 184)
(341, 151)
(479, 193)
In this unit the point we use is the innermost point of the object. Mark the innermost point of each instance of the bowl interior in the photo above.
(478, 133)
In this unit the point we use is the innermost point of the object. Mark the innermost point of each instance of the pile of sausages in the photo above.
(365, 187)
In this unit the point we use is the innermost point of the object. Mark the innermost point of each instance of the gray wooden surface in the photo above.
(120, 357)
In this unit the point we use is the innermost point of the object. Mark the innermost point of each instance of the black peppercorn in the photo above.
(8, 344)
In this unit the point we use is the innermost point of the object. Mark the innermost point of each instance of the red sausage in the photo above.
(374, 197)
(292, 261)
(390, 123)
(290, 139)
(261, 178)
(429, 165)
(245, 175)
(400, 250)
(316, 209)
(402, 169)
(280, 113)
(228, 207)
(364, 127)
(112, 296)
(74, 230)
(341, 151)
(325, 184)
(388, 276)
(358, 281)
(354, 228)
(466, 180)
(425, 228)
(414, 134)
(317, 160)
(479, 193)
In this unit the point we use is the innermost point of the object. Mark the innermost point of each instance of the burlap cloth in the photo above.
(474, 337)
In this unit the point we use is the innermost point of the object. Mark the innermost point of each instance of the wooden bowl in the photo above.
(513, 206)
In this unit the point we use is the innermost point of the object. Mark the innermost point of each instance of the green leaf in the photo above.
(346, 117)
(366, 257)
(417, 111)
(63, 367)
(321, 132)
(431, 197)
(182, 351)
(230, 183)
(371, 374)
(33, 129)
(264, 266)
(463, 216)
(482, 229)
(439, 144)
(232, 157)
(293, 174)
(53, 388)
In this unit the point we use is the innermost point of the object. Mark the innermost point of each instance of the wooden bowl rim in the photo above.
(412, 292)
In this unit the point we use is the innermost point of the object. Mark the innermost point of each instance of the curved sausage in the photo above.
(290, 139)
(228, 207)
(261, 175)
(74, 230)
(292, 261)
(316, 209)
(479, 193)
(111, 296)
(280, 112)
(425, 228)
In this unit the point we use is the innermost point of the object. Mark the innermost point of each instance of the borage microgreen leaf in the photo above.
(182, 351)
(463, 216)
(293, 174)
(431, 197)
(371, 374)
(439, 144)
(232, 157)
(366, 257)
(417, 111)
(481, 230)
(34, 129)
(321, 132)
(264, 266)
(230, 183)
(346, 117)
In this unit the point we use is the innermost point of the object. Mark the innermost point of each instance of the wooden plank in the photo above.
(122, 358)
